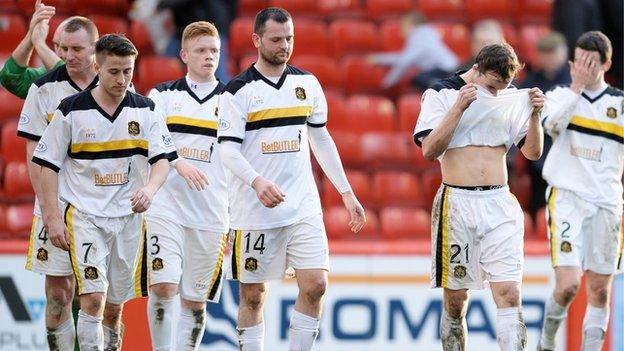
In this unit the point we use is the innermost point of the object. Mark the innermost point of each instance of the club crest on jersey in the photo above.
(134, 128)
(459, 272)
(91, 273)
(300, 93)
(611, 112)
(251, 264)
(157, 264)
(42, 254)
(566, 246)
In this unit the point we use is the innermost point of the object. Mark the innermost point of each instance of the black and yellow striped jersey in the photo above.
(193, 125)
(587, 155)
(270, 120)
(104, 157)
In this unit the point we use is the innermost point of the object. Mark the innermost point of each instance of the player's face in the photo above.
(599, 68)
(201, 55)
(491, 81)
(78, 50)
(276, 43)
(115, 74)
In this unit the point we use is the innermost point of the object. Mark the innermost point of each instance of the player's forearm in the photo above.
(158, 174)
(325, 151)
(437, 141)
(559, 112)
(47, 55)
(48, 195)
(234, 160)
(23, 51)
(534, 140)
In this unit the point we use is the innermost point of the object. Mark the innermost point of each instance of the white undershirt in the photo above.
(593, 93)
(201, 89)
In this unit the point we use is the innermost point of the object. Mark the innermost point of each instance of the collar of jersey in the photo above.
(112, 118)
(188, 89)
(277, 85)
(74, 85)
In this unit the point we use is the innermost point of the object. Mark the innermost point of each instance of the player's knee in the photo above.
(455, 303)
(314, 290)
(509, 296)
(599, 295)
(568, 292)
(164, 290)
(252, 296)
(193, 305)
(92, 304)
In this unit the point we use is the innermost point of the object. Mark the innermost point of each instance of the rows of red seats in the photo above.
(468, 10)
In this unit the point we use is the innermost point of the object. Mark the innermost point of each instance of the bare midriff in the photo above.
(475, 166)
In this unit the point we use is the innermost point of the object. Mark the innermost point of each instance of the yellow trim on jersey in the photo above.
(237, 251)
(606, 127)
(552, 226)
(218, 270)
(50, 116)
(69, 222)
(192, 122)
(445, 219)
(109, 145)
(31, 243)
(284, 112)
(139, 270)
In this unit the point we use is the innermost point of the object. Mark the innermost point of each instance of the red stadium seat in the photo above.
(323, 67)
(431, 181)
(442, 10)
(457, 38)
(296, 8)
(535, 11)
(111, 7)
(397, 188)
(337, 225)
(380, 9)
(311, 38)
(12, 30)
(17, 181)
(475, 10)
(528, 226)
(405, 223)
(107, 24)
(520, 186)
(240, 42)
(409, 109)
(510, 34)
(392, 38)
(351, 36)
(349, 147)
(139, 36)
(3, 226)
(251, 7)
(154, 70)
(10, 107)
(529, 36)
(418, 161)
(360, 183)
(541, 225)
(336, 108)
(246, 62)
(370, 113)
(13, 147)
(19, 220)
(386, 150)
(361, 76)
(340, 9)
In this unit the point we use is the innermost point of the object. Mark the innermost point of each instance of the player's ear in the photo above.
(607, 65)
(183, 56)
(256, 40)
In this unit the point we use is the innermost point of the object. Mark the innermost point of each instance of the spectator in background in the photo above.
(484, 33)
(552, 70)
(185, 12)
(573, 18)
(423, 49)
(16, 76)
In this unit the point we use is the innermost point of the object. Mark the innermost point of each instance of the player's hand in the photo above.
(268, 193)
(581, 70)
(195, 178)
(142, 199)
(42, 12)
(40, 33)
(538, 100)
(467, 94)
(58, 233)
(356, 211)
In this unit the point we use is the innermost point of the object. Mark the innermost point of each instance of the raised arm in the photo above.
(534, 141)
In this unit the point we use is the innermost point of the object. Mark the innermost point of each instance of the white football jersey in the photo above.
(105, 158)
(587, 155)
(192, 123)
(488, 121)
(44, 95)
(270, 121)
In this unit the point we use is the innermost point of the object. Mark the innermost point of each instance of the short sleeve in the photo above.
(232, 117)
(432, 112)
(33, 119)
(318, 118)
(51, 150)
(520, 121)
(161, 108)
(160, 142)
